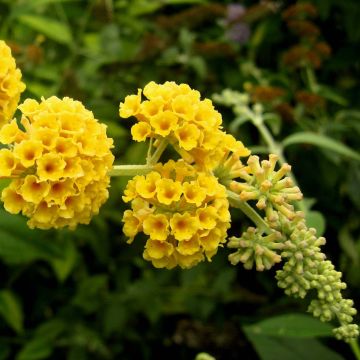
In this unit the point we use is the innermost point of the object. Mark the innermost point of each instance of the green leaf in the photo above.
(27, 7)
(63, 266)
(11, 310)
(276, 348)
(329, 94)
(316, 220)
(348, 245)
(35, 349)
(291, 325)
(19, 244)
(274, 121)
(51, 28)
(322, 141)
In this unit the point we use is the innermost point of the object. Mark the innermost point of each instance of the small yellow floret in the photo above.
(131, 105)
(140, 131)
(158, 249)
(157, 226)
(194, 193)
(50, 167)
(10, 133)
(188, 136)
(164, 122)
(28, 151)
(146, 185)
(8, 163)
(183, 226)
(168, 191)
(33, 190)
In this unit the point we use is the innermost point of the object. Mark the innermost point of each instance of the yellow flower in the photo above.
(8, 163)
(211, 240)
(180, 211)
(140, 131)
(189, 247)
(183, 107)
(150, 108)
(60, 164)
(48, 137)
(10, 133)
(158, 249)
(10, 84)
(188, 261)
(188, 136)
(146, 185)
(33, 190)
(184, 226)
(60, 191)
(168, 191)
(131, 225)
(194, 193)
(50, 167)
(207, 217)
(28, 151)
(164, 122)
(131, 105)
(13, 201)
(157, 226)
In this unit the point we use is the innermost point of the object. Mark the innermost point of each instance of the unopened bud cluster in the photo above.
(272, 190)
(305, 268)
(253, 248)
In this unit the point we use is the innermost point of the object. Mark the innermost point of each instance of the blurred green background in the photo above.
(86, 294)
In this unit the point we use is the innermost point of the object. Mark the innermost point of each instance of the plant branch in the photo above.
(130, 170)
(248, 211)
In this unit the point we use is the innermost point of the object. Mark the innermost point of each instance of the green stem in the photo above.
(158, 152)
(130, 170)
(248, 211)
(355, 349)
(276, 148)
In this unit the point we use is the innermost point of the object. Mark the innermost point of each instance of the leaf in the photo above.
(274, 121)
(329, 94)
(291, 325)
(316, 220)
(29, 6)
(11, 310)
(19, 244)
(322, 141)
(49, 27)
(275, 348)
(348, 245)
(4, 351)
(63, 266)
(35, 349)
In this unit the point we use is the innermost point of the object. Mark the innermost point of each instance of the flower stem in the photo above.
(130, 170)
(158, 152)
(276, 148)
(248, 211)
(355, 349)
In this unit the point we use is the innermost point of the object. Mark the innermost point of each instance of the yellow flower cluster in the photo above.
(184, 212)
(10, 84)
(176, 112)
(59, 163)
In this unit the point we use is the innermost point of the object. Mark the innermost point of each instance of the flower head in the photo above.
(60, 163)
(184, 212)
(10, 84)
(177, 113)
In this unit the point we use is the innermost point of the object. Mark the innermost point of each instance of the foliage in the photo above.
(86, 294)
